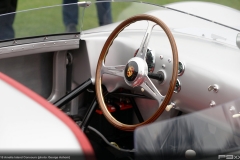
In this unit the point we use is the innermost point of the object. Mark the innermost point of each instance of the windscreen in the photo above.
(203, 19)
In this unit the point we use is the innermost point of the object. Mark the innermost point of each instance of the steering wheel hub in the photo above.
(134, 71)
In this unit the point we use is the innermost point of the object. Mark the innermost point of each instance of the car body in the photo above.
(179, 73)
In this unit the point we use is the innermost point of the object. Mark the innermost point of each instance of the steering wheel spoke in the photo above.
(143, 47)
(136, 71)
(150, 88)
(113, 70)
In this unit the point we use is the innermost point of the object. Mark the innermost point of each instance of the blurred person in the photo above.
(6, 25)
(104, 13)
(70, 14)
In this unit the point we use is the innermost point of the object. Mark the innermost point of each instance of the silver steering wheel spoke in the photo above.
(150, 88)
(144, 45)
(113, 70)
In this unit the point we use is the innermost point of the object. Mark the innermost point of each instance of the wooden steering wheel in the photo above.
(135, 72)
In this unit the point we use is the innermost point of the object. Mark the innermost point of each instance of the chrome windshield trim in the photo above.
(84, 4)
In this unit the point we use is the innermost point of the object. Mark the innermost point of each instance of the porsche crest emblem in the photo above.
(130, 71)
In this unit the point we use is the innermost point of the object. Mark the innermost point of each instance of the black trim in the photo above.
(74, 93)
(88, 116)
(136, 110)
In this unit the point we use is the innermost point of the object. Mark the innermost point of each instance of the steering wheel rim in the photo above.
(101, 60)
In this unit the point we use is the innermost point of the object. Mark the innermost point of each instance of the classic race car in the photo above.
(155, 82)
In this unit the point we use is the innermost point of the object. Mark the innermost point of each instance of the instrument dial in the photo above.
(150, 59)
(181, 68)
(177, 88)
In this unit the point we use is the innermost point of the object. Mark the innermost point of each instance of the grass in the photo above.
(49, 21)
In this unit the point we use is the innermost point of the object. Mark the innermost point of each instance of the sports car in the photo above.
(154, 82)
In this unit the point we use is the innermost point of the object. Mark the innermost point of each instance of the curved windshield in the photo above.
(203, 19)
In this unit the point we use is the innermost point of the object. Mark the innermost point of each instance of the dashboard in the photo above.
(199, 68)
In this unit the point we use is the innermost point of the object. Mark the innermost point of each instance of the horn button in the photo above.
(134, 71)
(131, 71)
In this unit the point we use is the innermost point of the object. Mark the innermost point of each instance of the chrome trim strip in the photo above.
(48, 38)
(40, 47)
(84, 3)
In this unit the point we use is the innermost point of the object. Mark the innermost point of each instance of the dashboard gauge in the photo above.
(177, 88)
(150, 59)
(181, 68)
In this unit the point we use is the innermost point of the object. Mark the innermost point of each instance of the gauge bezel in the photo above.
(178, 89)
(183, 68)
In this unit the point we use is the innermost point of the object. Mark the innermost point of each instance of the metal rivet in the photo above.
(12, 49)
(212, 104)
(22, 47)
(44, 44)
(214, 87)
(169, 60)
(142, 89)
(54, 43)
(65, 42)
(203, 35)
(163, 66)
(232, 108)
(161, 57)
